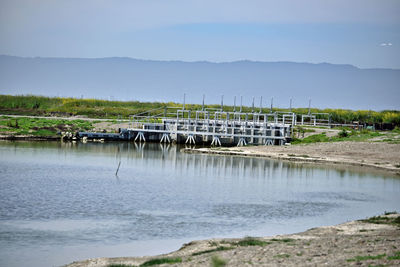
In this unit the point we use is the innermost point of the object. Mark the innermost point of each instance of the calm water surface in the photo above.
(62, 202)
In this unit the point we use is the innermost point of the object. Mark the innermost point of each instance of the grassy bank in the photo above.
(38, 105)
(41, 127)
(52, 126)
(347, 134)
(94, 108)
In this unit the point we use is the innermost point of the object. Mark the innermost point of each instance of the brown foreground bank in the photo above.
(371, 242)
(379, 155)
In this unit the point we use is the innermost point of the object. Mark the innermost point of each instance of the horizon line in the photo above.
(203, 61)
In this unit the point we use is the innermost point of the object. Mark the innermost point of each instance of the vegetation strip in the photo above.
(249, 241)
(383, 220)
(95, 108)
(396, 256)
(351, 135)
(41, 127)
(161, 261)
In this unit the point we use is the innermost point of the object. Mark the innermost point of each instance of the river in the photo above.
(62, 202)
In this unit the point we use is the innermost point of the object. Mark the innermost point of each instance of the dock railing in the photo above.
(216, 123)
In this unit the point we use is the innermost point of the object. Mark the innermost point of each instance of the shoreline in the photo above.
(29, 138)
(362, 242)
(317, 153)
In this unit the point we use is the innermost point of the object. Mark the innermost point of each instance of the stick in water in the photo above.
(119, 164)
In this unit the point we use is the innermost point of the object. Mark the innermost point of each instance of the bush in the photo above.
(158, 261)
(343, 133)
(217, 262)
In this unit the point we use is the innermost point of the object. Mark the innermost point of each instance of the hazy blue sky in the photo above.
(365, 33)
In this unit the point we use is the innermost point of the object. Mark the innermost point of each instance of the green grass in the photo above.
(383, 220)
(315, 138)
(95, 108)
(161, 261)
(377, 220)
(42, 127)
(357, 136)
(369, 257)
(217, 261)
(396, 130)
(396, 256)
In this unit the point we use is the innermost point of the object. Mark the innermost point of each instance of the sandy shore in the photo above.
(371, 242)
(379, 155)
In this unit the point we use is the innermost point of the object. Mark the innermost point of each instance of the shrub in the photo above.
(343, 133)
(161, 261)
(217, 262)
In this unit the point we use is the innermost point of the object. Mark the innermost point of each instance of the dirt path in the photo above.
(372, 242)
(373, 154)
(109, 126)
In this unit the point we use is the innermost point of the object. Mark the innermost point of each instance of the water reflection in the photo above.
(66, 194)
(194, 164)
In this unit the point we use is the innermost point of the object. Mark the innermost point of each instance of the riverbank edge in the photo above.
(355, 243)
(29, 138)
(295, 158)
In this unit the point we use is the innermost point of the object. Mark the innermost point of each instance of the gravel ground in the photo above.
(109, 126)
(357, 243)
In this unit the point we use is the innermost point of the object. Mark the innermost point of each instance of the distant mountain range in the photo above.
(328, 85)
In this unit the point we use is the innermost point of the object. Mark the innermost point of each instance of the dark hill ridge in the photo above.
(329, 85)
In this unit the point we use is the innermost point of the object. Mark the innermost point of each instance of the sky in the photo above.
(363, 33)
